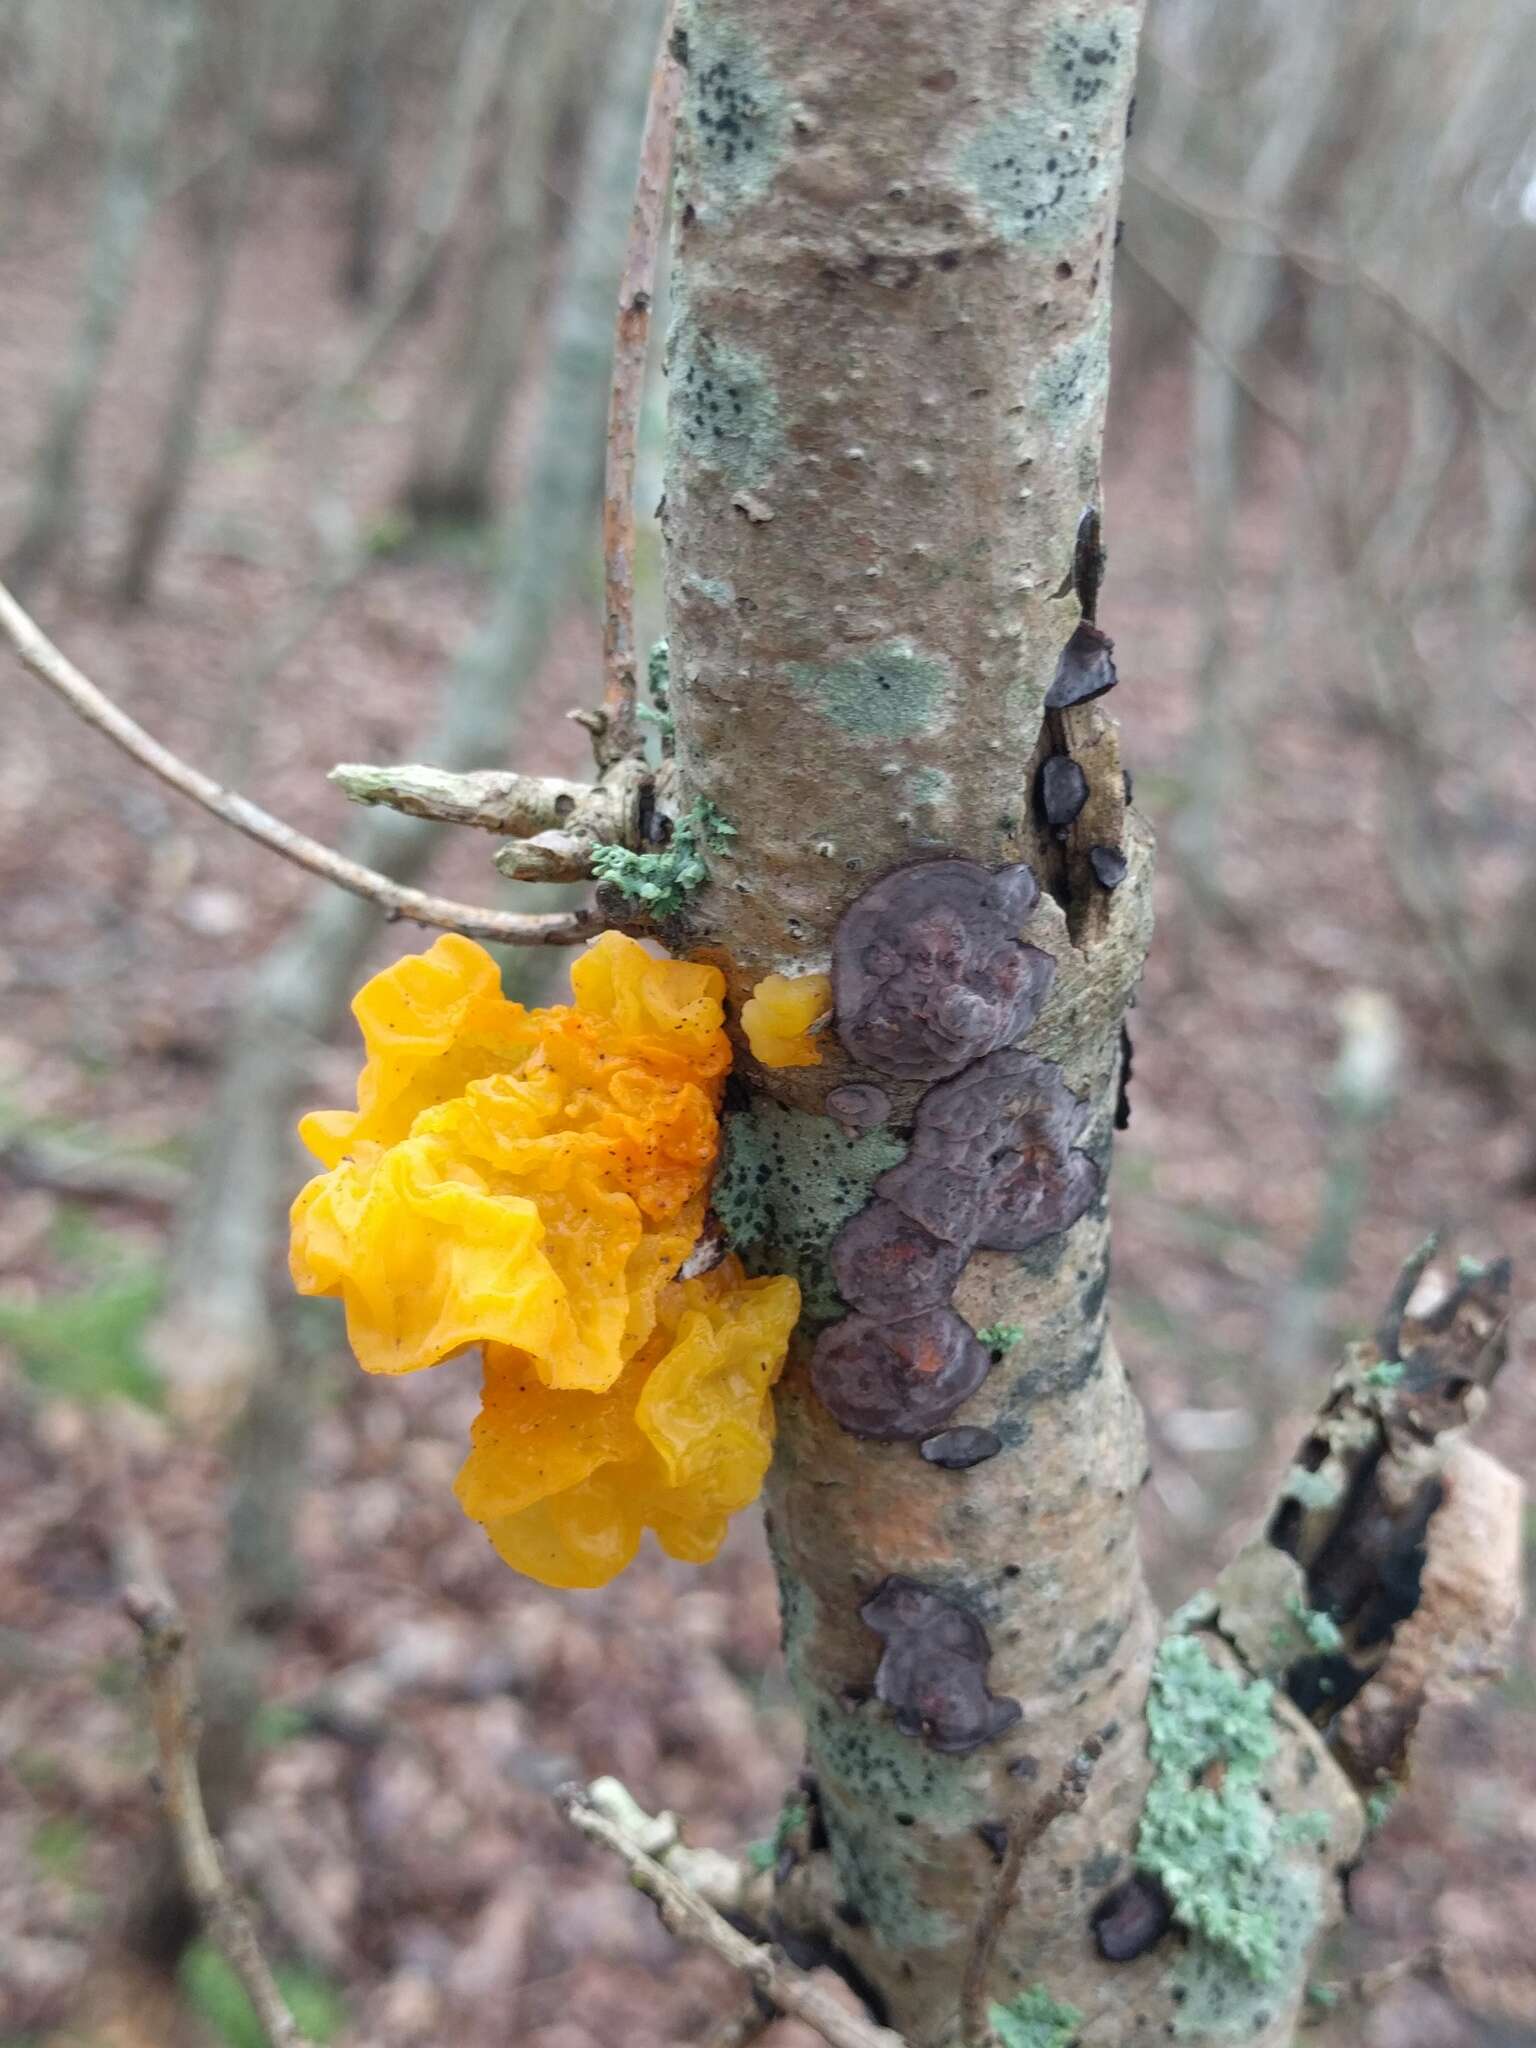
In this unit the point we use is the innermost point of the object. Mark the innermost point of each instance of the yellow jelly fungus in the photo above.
(531, 1180)
(779, 1014)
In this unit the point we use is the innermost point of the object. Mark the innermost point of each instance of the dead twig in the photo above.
(1070, 1791)
(152, 1608)
(1324, 2000)
(618, 734)
(604, 1812)
(42, 659)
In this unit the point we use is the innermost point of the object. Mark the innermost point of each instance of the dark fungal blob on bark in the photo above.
(1062, 788)
(929, 971)
(1109, 866)
(958, 1449)
(993, 1163)
(894, 1381)
(933, 1670)
(1085, 669)
(888, 1265)
(858, 1107)
(1131, 1919)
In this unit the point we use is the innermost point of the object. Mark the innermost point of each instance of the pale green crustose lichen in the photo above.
(893, 692)
(1310, 1489)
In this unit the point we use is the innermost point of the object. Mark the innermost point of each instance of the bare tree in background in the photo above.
(151, 40)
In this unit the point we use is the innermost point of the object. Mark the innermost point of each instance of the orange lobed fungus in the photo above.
(779, 1015)
(531, 1180)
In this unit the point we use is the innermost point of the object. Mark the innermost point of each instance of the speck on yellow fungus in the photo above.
(531, 1181)
(779, 1015)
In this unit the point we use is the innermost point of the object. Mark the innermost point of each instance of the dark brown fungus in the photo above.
(958, 1449)
(933, 1670)
(1131, 1919)
(1123, 1086)
(859, 1107)
(1088, 559)
(992, 1164)
(1085, 669)
(895, 1381)
(1063, 790)
(1109, 866)
(929, 971)
(888, 1265)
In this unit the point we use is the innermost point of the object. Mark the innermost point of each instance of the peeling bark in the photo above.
(888, 362)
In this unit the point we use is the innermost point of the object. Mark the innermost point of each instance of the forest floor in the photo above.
(422, 1701)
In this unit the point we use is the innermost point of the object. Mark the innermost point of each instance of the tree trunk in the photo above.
(888, 366)
(160, 497)
(153, 37)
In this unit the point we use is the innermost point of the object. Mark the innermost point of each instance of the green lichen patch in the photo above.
(1067, 391)
(735, 112)
(891, 693)
(1000, 1338)
(1389, 1373)
(1321, 1630)
(721, 407)
(1034, 2020)
(663, 881)
(1206, 1833)
(1084, 68)
(1311, 1489)
(1224, 2001)
(787, 1182)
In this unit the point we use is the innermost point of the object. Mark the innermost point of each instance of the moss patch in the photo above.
(891, 693)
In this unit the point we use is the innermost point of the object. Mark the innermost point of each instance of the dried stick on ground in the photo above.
(630, 351)
(690, 1917)
(508, 927)
(153, 1610)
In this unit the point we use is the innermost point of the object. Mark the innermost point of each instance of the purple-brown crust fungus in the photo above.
(957, 1450)
(888, 1265)
(898, 1380)
(993, 1164)
(858, 1106)
(1131, 1919)
(1084, 670)
(933, 1670)
(929, 971)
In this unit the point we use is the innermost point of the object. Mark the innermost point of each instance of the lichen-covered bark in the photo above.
(888, 363)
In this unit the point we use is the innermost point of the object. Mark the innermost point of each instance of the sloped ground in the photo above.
(423, 1701)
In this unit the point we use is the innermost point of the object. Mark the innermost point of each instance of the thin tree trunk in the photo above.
(888, 367)
(153, 37)
(159, 500)
(458, 426)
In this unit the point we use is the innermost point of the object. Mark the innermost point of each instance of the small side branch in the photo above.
(42, 659)
(174, 1706)
(618, 734)
(604, 1812)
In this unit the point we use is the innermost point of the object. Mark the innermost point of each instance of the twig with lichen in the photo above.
(42, 659)
(677, 1880)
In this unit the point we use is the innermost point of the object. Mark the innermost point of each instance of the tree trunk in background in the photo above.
(362, 119)
(160, 497)
(459, 418)
(888, 367)
(153, 36)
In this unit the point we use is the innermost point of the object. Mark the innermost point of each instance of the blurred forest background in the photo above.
(305, 310)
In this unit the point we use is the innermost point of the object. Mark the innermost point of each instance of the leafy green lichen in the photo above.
(663, 881)
(1034, 2020)
(1389, 1373)
(1000, 1337)
(1206, 1832)
(1320, 1629)
(1310, 1489)
(1219, 1998)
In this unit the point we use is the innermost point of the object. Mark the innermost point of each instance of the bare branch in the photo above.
(507, 927)
(152, 1608)
(619, 735)
(604, 1812)
(494, 800)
